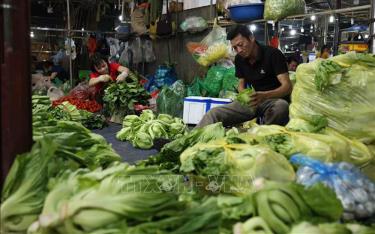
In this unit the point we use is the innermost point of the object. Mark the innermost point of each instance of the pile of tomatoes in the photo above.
(89, 105)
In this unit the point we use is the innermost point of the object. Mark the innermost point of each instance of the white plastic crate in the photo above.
(196, 107)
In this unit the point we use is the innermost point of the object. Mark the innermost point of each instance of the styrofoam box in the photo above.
(196, 107)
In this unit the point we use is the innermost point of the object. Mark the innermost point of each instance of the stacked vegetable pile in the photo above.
(120, 98)
(88, 105)
(142, 130)
(43, 113)
(60, 145)
(341, 89)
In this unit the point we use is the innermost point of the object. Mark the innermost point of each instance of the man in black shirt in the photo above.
(265, 69)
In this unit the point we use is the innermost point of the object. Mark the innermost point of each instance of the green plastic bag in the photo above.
(219, 79)
(279, 9)
(171, 99)
(195, 88)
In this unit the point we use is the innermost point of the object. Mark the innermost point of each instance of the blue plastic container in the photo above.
(246, 12)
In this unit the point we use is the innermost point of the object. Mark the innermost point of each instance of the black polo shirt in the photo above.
(262, 75)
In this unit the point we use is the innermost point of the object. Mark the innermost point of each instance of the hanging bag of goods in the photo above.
(279, 9)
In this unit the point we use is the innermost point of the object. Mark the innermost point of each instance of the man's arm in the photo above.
(241, 84)
(282, 91)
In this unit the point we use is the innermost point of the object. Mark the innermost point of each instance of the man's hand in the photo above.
(105, 78)
(257, 98)
(122, 76)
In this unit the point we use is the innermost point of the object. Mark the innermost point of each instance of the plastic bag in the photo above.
(340, 88)
(356, 191)
(212, 48)
(54, 93)
(279, 9)
(171, 99)
(40, 83)
(81, 91)
(194, 24)
(195, 88)
(241, 2)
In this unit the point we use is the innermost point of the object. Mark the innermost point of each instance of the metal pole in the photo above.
(211, 9)
(337, 30)
(69, 44)
(372, 27)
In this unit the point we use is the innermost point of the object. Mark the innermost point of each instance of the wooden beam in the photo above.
(15, 120)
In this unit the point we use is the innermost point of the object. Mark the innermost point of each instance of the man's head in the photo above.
(242, 40)
(98, 64)
(325, 51)
(292, 63)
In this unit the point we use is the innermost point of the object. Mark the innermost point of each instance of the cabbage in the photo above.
(232, 166)
(327, 146)
(341, 89)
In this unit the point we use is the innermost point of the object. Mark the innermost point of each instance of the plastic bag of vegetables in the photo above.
(279, 9)
(230, 167)
(212, 48)
(341, 89)
(356, 191)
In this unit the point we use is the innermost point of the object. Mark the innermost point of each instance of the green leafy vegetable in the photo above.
(244, 96)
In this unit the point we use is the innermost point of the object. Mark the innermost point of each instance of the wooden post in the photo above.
(16, 132)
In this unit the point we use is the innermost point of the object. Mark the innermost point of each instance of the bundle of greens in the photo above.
(169, 156)
(66, 145)
(326, 146)
(230, 167)
(341, 89)
(244, 96)
(123, 199)
(280, 205)
(119, 98)
(142, 130)
(331, 228)
(279, 9)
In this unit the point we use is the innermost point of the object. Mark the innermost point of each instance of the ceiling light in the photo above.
(313, 17)
(293, 32)
(282, 29)
(253, 27)
(356, 2)
(120, 17)
(359, 37)
(82, 29)
(302, 30)
(366, 36)
(331, 19)
(311, 27)
(351, 21)
(286, 47)
(32, 34)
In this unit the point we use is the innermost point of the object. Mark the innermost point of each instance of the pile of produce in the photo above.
(340, 88)
(244, 96)
(142, 130)
(88, 105)
(64, 145)
(120, 98)
(43, 113)
(277, 206)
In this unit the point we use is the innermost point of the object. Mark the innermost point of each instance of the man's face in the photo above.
(243, 46)
(292, 66)
(102, 69)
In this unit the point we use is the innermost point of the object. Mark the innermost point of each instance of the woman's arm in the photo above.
(99, 79)
(124, 72)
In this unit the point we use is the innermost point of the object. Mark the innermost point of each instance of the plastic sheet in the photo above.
(279, 9)
(341, 89)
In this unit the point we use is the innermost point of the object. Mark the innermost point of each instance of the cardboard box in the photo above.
(196, 107)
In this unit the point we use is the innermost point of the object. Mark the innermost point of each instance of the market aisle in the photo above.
(125, 149)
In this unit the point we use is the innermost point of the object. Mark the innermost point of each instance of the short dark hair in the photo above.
(239, 29)
(96, 60)
(323, 48)
(291, 59)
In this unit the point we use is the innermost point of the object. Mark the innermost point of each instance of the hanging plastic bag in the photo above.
(212, 48)
(171, 99)
(194, 89)
(54, 93)
(279, 9)
(193, 24)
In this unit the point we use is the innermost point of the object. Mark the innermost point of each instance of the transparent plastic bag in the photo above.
(170, 100)
(193, 24)
(355, 190)
(344, 96)
(279, 9)
(54, 93)
(212, 48)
